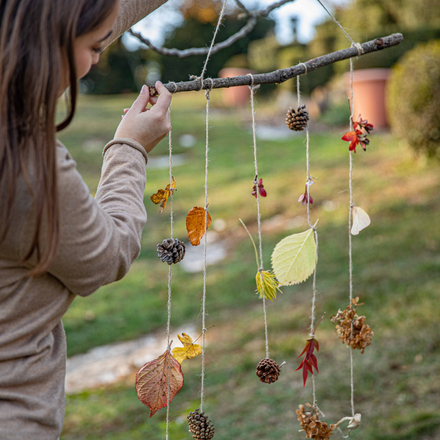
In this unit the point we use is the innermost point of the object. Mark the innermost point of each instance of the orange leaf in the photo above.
(349, 136)
(195, 224)
(162, 196)
(152, 382)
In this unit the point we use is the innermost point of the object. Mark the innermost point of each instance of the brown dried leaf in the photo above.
(152, 382)
(195, 224)
(162, 196)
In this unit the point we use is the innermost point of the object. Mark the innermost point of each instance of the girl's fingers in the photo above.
(141, 102)
(164, 100)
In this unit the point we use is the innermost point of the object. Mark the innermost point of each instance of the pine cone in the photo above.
(297, 120)
(200, 426)
(171, 250)
(268, 370)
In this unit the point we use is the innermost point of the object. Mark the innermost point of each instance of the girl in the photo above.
(56, 241)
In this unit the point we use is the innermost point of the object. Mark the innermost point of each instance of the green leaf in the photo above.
(293, 259)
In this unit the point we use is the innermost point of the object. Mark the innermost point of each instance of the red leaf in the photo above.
(314, 362)
(152, 382)
(310, 359)
(316, 343)
(349, 136)
(304, 376)
(305, 349)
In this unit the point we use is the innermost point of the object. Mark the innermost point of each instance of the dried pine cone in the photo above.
(311, 424)
(361, 335)
(268, 370)
(297, 120)
(171, 250)
(200, 426)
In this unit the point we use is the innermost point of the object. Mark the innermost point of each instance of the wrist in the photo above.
(127, 141)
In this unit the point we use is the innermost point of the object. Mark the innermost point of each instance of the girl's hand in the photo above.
(147, 126)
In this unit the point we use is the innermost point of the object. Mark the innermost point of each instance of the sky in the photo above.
(309, 13)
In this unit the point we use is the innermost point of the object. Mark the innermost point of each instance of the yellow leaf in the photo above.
(267, 279)
(294, 258)
(188, 351)
(360, 220)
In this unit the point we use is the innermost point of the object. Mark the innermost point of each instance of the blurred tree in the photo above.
(414, 98)
(118, 71)
(197, 31)
(364, 20)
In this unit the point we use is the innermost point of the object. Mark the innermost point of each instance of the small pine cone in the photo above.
(268, 370)
(297, 120)
(171, 250)
(200, 426)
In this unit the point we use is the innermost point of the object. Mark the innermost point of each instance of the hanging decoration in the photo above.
(294, 258)
(351, 328)
(265, 279)
(162, 195)
(268, 369)
(197, 222)
(158, 381)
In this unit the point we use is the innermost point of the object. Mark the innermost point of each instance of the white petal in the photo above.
(360, 220)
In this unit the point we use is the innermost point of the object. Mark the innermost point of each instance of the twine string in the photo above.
(169, 279)
(175, 86)
(315, 232)
(253, 88)
(205, 247)
(220, 18)
(350, 245)
(356, 45)
(305, 68)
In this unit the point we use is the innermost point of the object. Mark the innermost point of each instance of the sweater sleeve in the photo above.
(130, 12)
(100, 237)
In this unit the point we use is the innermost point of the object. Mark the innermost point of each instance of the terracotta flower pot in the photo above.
(369, 95)
(235, 96)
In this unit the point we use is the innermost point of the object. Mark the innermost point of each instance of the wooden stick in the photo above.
(281, 75)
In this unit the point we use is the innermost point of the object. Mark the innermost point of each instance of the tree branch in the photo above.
(281, 75)
(250, 24)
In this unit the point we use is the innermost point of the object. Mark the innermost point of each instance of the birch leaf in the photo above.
(293, 259)
(152, 382)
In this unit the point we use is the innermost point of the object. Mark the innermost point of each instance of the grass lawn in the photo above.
(396, 274)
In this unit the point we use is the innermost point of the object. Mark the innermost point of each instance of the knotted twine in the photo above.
(170, 149)
(205, 243)
(315, 232)
(350, 247)
(253, 88)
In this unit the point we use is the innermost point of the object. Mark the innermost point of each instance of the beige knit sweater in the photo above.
(100, 238)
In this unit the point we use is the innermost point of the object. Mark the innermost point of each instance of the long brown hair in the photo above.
(36, 43)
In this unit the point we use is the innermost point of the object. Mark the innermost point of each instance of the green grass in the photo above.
(396, 273)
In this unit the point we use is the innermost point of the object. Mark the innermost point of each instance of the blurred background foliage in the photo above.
(123, 71)
(260, 50)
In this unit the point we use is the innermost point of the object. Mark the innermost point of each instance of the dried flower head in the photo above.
(359, 135)
(358, 335)
(311, 425)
